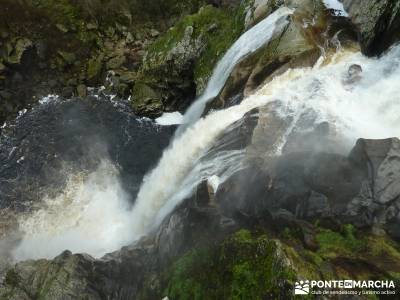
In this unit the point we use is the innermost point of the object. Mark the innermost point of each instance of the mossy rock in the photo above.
(94, 67)
(146, 101)
(244, 266)
(68, 57)
(15, 52)
(65, 277)
(348, 253)
(69, 35)
(179, 62)
(116, 62)
(217, 29)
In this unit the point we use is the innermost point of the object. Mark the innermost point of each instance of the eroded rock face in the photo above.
(259, 10)
(361, 189)
(52, 47)
(80, 276)
(378, 201)
(377, 21)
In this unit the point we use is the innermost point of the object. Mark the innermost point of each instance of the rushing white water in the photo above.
(248, 42)
(367, 107)
(172, 118)
(91, 215)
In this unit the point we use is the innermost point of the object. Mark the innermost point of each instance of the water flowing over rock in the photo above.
(296, 45)
(249, 42)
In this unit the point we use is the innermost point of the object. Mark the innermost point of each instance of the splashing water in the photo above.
(249, 42)
(91, 215)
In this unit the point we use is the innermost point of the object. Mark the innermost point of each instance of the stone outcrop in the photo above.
(377, 22)
(49, 46)
(360, 189)
(178, 64)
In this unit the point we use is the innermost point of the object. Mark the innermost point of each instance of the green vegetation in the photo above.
(333, 244)
(252, 266)
(244, 266)
(348, 253)
(215, 29)
(12, 278)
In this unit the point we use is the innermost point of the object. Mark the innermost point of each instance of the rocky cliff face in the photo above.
(62, 47)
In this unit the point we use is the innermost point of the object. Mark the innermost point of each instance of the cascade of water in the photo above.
(367, 107)
(249, 42)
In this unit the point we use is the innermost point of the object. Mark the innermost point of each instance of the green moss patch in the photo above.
(334, 244)
(347, 253)
(216, 28)
(244, 266)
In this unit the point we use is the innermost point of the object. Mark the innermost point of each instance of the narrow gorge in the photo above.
(224, 149)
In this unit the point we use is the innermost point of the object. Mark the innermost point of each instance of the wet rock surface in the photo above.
(359, 189)
(377, 21)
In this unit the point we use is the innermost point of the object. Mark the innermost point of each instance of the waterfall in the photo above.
(249, 42)
(367, 106)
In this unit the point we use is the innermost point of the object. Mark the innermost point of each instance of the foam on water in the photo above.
(91, 216)
(172, 118)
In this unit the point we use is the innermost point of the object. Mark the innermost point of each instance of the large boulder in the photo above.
(377, 21)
